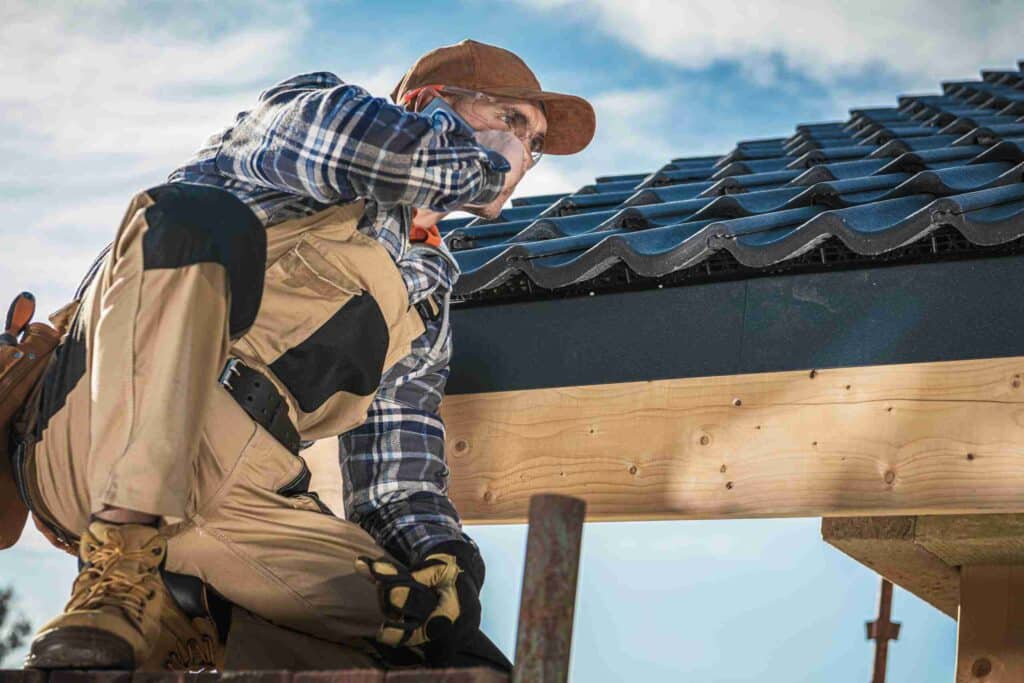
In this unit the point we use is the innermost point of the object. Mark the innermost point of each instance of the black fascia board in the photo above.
(938, 311)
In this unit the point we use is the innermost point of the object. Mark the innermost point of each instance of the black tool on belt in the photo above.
(261, 400)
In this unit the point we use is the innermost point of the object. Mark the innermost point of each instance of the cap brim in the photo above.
(571, 119)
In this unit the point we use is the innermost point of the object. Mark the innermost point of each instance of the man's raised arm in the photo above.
(313, 135)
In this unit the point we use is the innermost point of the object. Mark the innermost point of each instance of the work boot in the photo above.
(185, 644)
(113, 618)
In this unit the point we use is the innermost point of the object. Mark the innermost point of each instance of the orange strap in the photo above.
(431, 235)
(411, 96)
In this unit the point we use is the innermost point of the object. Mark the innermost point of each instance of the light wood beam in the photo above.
(887, 546)
(924, 555)
(990, 637)
(924, 438)
(973, 539)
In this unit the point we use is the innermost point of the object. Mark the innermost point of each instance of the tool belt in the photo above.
(25, 349)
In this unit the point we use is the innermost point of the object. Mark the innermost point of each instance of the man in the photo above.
(289, 284)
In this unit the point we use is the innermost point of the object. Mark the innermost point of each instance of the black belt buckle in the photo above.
(230, 370)
(261, 401)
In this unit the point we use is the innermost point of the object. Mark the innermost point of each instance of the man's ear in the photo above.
(425, 97)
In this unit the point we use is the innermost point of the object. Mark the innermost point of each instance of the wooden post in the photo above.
(882, 630)
(990, 639)
(544, 638)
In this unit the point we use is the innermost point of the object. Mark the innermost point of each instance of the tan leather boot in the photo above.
(185, 645)
(113, 618)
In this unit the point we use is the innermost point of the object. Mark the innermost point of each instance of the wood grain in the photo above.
(973, 539)
(901, 439)
(887, 546)
(990, 637)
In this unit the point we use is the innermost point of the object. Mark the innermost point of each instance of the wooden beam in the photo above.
(973, 539)
(887, 546)
(924, 554)
(925, 438)
(990, 638)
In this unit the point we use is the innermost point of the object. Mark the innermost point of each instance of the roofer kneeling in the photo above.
(288, 284)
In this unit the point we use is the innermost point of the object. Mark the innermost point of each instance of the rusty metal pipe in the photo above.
(544, 637)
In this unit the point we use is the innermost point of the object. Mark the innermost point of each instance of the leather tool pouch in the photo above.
(25, 349)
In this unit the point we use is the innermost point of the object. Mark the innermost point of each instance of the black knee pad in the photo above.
(190, 224)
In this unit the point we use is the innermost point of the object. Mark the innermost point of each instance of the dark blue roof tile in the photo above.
(822, 156)
(612, 186)
(748, 203)
(546, 199)
(669, 193)
(635, 177)
(839, 170)
(582, 203)
(654, 215)
(750, 181)
(450, 224)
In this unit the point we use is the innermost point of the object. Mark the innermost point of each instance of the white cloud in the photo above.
(914, 39)
(78, 87)
(101, 101)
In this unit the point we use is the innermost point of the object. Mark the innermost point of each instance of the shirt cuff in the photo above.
(494, 170)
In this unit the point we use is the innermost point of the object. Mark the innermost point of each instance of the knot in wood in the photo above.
(890, 477)
(981, 668)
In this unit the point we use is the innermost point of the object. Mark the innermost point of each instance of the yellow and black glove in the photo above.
(435, 604)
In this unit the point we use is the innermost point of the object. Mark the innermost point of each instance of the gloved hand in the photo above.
(434, 604)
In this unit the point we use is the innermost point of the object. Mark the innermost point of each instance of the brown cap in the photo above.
(495, 71)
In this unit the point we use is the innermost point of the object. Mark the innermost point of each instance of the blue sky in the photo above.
(101, 100)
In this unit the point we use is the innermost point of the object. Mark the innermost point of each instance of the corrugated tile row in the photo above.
(881, 180)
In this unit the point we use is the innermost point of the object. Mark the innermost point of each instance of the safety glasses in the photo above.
(487, 112)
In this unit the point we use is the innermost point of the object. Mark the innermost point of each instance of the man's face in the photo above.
(523, 118)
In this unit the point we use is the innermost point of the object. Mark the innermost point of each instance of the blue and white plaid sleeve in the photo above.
(315, 136)
(393, 465)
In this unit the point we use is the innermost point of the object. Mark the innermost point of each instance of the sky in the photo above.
(100, 100)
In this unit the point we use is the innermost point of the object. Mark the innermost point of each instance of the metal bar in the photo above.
(882, 630)
(544, 638)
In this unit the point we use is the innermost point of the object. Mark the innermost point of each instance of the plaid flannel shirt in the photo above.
(313, 141)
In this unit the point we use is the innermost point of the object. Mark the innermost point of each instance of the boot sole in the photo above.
(80, 647)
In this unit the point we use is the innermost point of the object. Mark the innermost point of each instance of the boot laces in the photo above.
(195, 655)
(110, 582)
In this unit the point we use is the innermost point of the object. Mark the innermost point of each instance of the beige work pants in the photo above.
(132, 415)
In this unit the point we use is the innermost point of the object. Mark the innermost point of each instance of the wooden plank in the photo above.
(357, 676)
(167, 677)
(474, 675)
(256, 677)
(990, 638)
(886, 545)
(22, 676)
(90, 676)
(255, 644)
(898, 439)
(973, 539)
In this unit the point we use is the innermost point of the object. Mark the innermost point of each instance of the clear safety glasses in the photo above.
(488, 112)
